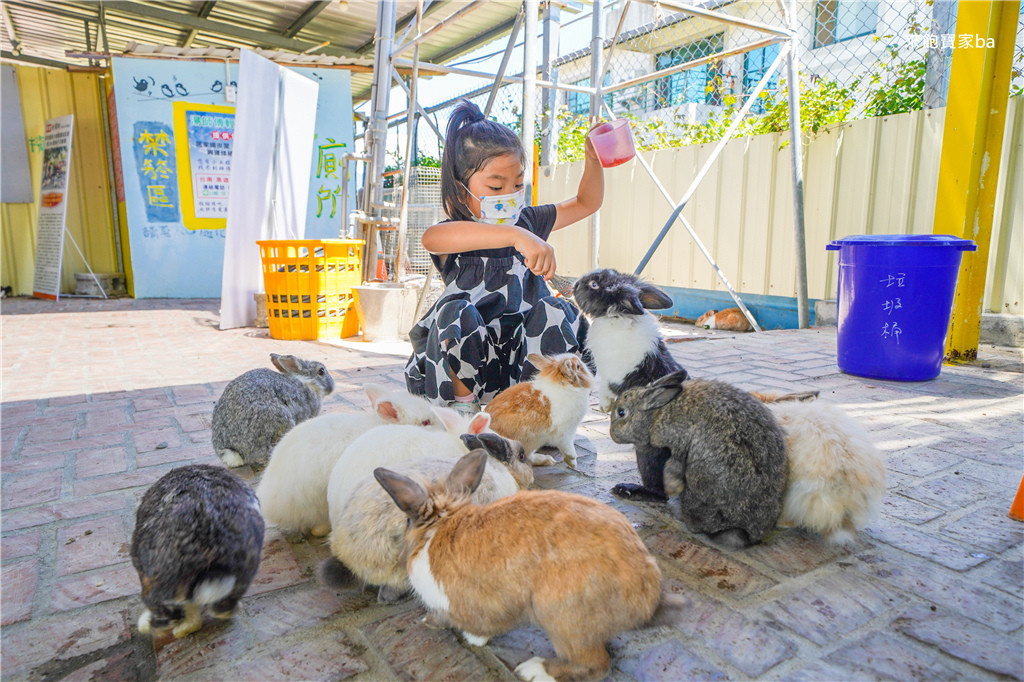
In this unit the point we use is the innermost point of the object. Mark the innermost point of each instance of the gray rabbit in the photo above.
(728, 454)
(197, 543)
(260, 406)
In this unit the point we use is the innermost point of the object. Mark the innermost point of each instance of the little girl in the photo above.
(494, 259)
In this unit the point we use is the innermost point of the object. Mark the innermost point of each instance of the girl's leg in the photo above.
(552, 326)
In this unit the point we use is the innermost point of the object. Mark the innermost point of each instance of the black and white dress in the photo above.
(492, 313)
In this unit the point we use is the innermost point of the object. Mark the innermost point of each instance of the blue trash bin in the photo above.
(895, 298)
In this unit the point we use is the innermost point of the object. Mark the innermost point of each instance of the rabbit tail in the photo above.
(670, 610)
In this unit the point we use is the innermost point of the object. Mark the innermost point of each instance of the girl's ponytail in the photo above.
(470, 141)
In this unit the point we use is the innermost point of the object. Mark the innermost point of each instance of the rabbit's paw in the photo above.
(193, 621)
(144, 619)
(533, 670)
(632, 491)
(539, 460)
(231, 458)
(474, 640)
(321, 530)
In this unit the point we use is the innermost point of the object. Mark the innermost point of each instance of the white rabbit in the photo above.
(391, 445)
(367, 538)
(293, 489)
(546, 410)
(836, 474)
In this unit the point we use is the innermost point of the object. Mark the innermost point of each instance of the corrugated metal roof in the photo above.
(46, 31)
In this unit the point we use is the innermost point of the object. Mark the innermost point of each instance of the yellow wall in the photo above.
(874, 176)
(48, 93)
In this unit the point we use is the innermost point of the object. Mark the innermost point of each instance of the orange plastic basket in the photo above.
(308, 284)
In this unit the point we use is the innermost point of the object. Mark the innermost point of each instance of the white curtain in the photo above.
(271, 157)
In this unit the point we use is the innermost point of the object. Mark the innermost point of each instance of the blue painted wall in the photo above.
(771, 312)
(168, 260)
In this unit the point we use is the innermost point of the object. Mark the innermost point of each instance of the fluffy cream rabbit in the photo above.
(570, 564)
(293, 489)
(367, 538)
(836, 474)
(546, 410)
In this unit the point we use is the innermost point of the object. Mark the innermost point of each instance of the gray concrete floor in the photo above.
(101, 398)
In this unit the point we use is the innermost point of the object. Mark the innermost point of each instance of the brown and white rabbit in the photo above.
(293, 488)
(730, 320)
(836, 474)
(368, 537)
(546, 410)
(570, 564)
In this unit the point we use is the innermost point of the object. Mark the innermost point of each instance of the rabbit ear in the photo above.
(654, 398)
(674, 379)
(471, 441)
(495, 445)
(374, 392)
(409, 495)
(452, 420)
(468, 472)
(653, 297)
(536, 360)
(387, 411)
(479, 423)
(286, 364)
(631, 305)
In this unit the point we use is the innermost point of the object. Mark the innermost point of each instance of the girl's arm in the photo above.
(465, 235)
(589, 195)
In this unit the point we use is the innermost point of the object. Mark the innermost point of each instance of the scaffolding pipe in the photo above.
(504, 62)
(376, 137)
(694, 62)
(549, 51)
(403, 211)
(719, 17)
(596, 46)
(615, 38)
(678, 210)
(398, 118)
(420, 37)
(796, 146)
(530, 10)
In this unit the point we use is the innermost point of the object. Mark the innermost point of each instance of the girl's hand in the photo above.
(537, 253)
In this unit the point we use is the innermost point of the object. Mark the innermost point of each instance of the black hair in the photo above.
(471, 140)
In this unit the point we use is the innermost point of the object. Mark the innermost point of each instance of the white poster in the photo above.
(272, 154)
(52, 206)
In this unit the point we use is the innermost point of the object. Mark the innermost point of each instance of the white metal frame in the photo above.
(387, 58)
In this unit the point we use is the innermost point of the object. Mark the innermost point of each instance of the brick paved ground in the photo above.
(102, 398)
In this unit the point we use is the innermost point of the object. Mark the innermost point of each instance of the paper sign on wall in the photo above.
(53, 207)
(205, 137)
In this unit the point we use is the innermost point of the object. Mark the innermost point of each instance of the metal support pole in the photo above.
(376, 136)
(797, 156)
(530, 8)
(549, 52)
(419, 108)
(403, 213)
(504, 62)
(596, 52)
(346, 175)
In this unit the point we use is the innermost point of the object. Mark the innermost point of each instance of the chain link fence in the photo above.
(858, 58)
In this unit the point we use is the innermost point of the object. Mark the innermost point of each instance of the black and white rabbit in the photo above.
(197, 543)
(623, 340)
(257, 408)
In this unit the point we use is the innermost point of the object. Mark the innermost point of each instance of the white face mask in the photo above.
(501, 209)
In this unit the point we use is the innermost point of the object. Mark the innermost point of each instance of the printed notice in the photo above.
(52, 207)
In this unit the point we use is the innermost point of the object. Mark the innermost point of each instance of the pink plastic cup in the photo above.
(613, 142)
